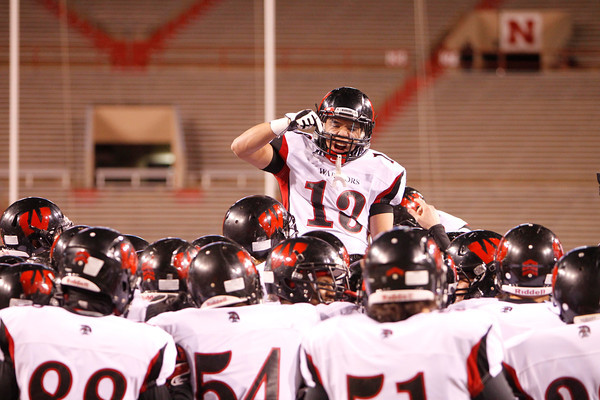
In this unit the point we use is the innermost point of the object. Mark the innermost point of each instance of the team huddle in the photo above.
(351, 287)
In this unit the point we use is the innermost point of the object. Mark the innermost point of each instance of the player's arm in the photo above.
(253, 146)
(381, 222)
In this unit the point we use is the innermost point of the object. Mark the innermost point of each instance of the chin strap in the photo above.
(339, 177)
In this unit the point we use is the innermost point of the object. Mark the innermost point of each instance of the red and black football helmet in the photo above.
(295, 267)
(26, 283)
(401, 214)
(524, 260)
(352, 104)
(31, 224)
(102, 262)
(257, 223)
(576, 283)
(404, 265)
(163, 265)
(473, 254)
(223, 274)
(60, 243)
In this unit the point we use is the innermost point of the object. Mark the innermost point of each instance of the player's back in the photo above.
(75, 356)
(564, 358)
(435, 355)
(249, 351)
(516, 318)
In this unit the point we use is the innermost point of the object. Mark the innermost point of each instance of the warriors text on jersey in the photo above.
(320, 198)
(72, 356)
(430, 355)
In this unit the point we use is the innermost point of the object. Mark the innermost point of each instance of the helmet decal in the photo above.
(37, 281)
(287, 256)
(247, 263)
(484, 249)
(181, 262)
(81, 258)
(272, 219)
(147, 270)
(557, 248)
(129, 258)
(394, 271)
(41, 220)
(530, 268)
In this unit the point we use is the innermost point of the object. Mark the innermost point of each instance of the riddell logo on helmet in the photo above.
(532, 292)
(271, 220)
(38, 220)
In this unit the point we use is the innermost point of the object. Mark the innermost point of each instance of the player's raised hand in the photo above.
(305, 119)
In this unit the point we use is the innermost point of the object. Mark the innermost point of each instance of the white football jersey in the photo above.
(516, 318)
(249, 351)
(317, 200)
(75, 356)
(557, 363)
(438, 355)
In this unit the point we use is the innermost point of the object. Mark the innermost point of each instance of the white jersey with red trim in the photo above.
(436, 355)
(242, 352)
(516, 318)
(557, 363)
(73, 356)
(320, 198)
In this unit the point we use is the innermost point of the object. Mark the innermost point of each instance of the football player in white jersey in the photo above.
(84, 349)
(403, 345)
(329, 179)
(258, 223)
(162, 273)
(307, 269)
(235, 347)
(562, 362)
(524, 261)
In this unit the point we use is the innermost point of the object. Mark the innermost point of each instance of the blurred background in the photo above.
(127, 108)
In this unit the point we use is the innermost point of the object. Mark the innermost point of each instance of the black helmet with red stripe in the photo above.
(26, 283)
(306, 269)
(350, 104)
(473, 254)
(404, 265)
(258, 223)
(99, 263)
(525, 259)
(31, 225)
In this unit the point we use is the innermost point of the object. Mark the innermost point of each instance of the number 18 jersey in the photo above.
(320, 198)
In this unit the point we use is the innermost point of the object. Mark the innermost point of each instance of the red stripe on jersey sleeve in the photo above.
(391, 191)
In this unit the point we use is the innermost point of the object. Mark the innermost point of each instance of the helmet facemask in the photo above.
(349, 147)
